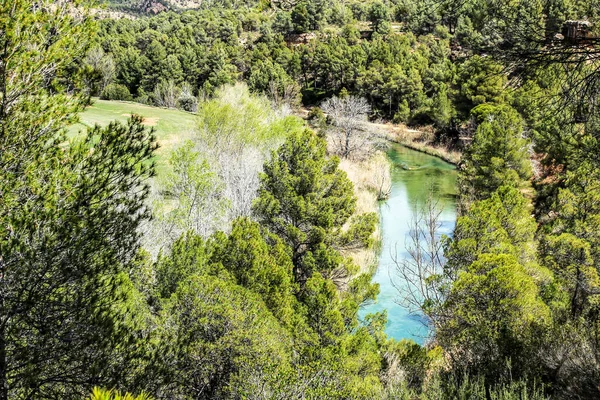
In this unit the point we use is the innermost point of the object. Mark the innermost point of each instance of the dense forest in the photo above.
(230, 263)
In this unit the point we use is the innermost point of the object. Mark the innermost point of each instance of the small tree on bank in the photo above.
(347, 116)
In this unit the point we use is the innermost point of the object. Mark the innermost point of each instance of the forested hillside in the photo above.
(225, 250)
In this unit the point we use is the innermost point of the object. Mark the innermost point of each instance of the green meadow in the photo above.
(172, 126)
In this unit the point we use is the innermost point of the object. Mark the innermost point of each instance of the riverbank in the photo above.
(372, 181)
(418, 140)
(421, 141)
(372, 178)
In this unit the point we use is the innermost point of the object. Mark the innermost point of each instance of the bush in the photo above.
(101, 394)
(403, 113)
(143, 98)
(187, 103)
(317, 120)
(115, 91)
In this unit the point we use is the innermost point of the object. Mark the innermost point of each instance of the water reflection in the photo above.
(414, 176)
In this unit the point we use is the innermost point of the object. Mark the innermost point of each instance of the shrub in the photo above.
(143, 98)
(101, 394)
(187, 103)
(115, 91)
(403, 113)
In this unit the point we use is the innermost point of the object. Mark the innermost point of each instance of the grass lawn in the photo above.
(172, 126)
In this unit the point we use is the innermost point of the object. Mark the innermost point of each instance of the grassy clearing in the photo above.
(172, 126)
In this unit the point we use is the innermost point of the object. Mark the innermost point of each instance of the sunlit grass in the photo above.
(172, 127)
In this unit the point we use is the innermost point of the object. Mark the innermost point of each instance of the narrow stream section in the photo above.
(414, 175)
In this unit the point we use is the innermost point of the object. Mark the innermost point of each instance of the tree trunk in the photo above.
(3, 368)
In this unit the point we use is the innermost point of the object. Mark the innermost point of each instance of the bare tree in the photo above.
(420, 279)
(347, 116)
(103, 70)
(380, 177)
(103, 64)
(166, 94)
(188, 199)
(284, 93)
(239, 173)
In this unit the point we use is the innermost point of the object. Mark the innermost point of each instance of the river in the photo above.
(414, 174)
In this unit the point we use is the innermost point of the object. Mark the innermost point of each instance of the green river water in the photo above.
(414, 175)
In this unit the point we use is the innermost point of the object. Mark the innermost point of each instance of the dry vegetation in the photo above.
(420, 140)
(371, 178)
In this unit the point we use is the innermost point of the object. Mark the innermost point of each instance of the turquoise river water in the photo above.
(414, 175)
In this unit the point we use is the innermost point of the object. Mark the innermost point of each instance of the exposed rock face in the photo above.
(576, 30)
(155, 7)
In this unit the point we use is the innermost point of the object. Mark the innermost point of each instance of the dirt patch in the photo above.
(145, 121)
(150, 121)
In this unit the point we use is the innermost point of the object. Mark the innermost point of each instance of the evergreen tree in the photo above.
(495, 316)
(259, 265)
(70, 212)
(69, 234)
(379, 16)
(216, 339)
(306, 200)
(300, 18)
(498, 155)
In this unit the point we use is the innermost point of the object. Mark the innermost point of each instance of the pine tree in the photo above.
(498, 155)
(69, 213)
(306, 200)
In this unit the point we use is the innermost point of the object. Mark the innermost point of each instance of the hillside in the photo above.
(171, 126)
(153, 7)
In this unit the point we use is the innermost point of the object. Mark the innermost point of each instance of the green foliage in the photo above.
(481, 80)
(261, 266)
(498, 155)
(360, 232)
(412, 360)
(209, 48)
(300, 18)
(495, 314)
(317, 120)
(88, 201)
(191, 194)
(187, 103)
(303, 198)
(379, 17)
(115, 91)
(494, 308)
(70, 214)
(282, 22)
(571, 246)
(188, 257)
(271, 308)
(217, 338)
(99, 394)
(271, 79)
(571, 259)
(476, 388)
(501, 224)
(235, 118)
